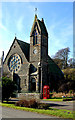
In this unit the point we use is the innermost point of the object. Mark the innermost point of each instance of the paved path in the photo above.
(13, 113)
(68, 105)
(0, 112)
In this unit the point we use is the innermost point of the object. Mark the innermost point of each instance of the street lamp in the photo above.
(1, 67)
(2, 64)
(40, 66)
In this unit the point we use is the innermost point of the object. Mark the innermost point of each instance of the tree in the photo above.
(63, 55)
(71, 62)
(63, 88)
(8, 87)
(71, 85)
(69, 73)
(69, 79)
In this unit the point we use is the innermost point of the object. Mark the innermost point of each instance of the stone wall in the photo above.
(28, 96)
(24, 69)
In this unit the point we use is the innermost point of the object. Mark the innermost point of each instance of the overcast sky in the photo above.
(18, 17)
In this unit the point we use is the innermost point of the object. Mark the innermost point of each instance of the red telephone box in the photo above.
(46, 92)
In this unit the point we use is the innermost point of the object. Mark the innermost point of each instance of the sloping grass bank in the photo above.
(51, 111)
(58, 100)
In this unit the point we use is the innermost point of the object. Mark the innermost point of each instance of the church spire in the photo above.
(35, 17)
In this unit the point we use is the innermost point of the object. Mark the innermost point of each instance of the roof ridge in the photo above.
(22, 41)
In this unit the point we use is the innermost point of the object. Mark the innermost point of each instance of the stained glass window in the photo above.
(14, 63)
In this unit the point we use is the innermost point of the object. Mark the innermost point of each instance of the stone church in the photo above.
(29, 65)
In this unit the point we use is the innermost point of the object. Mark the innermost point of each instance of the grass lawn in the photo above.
(56, 99)
(53, 99)
(51, 111)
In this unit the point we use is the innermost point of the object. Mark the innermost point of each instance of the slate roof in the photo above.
(43, 27)
(25, 48)
(53, 68)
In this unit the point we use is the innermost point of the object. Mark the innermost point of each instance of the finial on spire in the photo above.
(35, 11)
(35, 14)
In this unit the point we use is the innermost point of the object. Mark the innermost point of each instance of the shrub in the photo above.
(71, 91)
(24, 103)
(32, 104)
(8, 87)
(43, 106)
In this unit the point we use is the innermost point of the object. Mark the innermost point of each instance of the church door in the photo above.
(16, 79)
(33, 85)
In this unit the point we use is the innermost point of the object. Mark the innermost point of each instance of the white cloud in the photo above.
(7, 32)
(19, 23)
(0, 12)
(3, 27)
(67, 31)
(60, 36)
(3, 30)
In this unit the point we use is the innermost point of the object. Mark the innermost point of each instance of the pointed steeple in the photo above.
(35, 13)
(35, 18)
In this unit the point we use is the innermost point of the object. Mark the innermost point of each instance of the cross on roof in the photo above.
(15, 36)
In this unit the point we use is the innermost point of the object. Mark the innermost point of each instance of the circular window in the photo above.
(14, 63)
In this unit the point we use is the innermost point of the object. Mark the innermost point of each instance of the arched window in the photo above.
(35, 38)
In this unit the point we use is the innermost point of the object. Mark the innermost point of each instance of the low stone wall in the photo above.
(28, 96)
